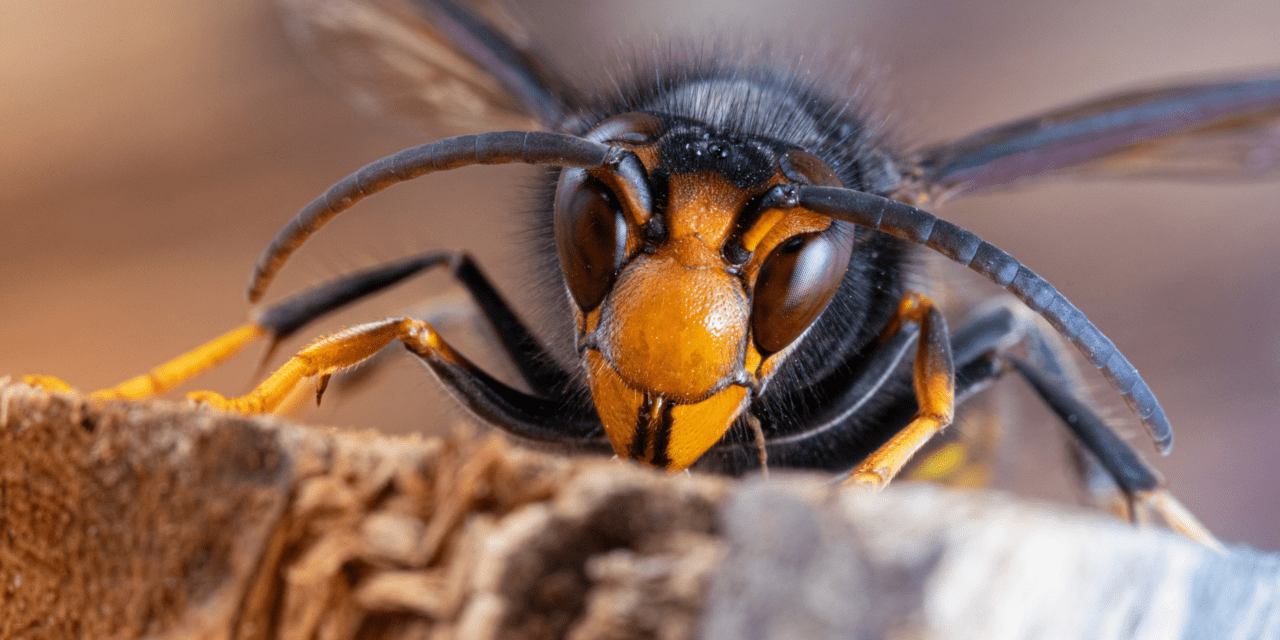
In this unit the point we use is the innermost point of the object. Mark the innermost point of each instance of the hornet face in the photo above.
(689, 288)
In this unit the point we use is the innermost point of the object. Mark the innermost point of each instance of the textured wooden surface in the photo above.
(809, 562)
(154, 519)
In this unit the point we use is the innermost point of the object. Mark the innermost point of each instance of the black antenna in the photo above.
(502, 147)
(915, 225)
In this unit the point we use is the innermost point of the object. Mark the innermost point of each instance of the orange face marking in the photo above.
(675, 324)
(674, 330)
(696, 427)
(672, 356)
(703, 206)
(673, 442)
(751, 239)
(617, 404)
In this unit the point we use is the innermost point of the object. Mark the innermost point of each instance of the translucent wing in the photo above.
(1226, 129)
(464, 66)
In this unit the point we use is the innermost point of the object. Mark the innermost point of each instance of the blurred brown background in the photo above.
(149, 149)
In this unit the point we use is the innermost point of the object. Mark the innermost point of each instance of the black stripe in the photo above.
(662, 437)
(640, 436)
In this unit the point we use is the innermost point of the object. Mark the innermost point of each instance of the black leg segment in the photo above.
(1117, 457)
(535, 364)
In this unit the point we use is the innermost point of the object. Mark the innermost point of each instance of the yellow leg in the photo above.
(1177, 516)
(325, 356)
(47, 382)
(934, 379)
(170, 374)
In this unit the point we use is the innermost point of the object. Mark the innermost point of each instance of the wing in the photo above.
(1225, 130)
(465, 66)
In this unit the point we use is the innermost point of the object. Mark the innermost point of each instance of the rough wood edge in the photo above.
(155, 519)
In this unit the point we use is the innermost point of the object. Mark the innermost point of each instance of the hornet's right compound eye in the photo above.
(796, 283)
(591, 236)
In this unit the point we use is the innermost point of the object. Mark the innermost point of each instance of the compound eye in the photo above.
(591, 236)
(796, 283)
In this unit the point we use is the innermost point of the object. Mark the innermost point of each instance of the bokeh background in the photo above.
(149, 149)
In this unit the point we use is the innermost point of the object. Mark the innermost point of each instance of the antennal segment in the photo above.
(921, 227)
(504, 147)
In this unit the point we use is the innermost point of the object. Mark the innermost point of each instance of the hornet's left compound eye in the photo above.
(796, 283)
(591, 236)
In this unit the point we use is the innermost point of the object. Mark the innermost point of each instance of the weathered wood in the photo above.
(807, 561)
(155, 519)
